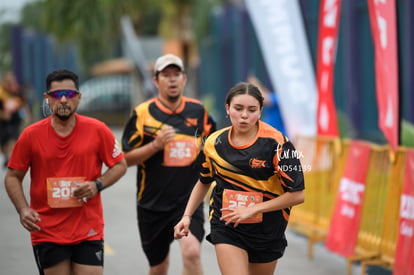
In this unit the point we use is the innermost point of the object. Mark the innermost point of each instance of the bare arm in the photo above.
(139, 155)
(197, 195)
(5, 115)
(113, 174)
(89, 189)
(14, 187)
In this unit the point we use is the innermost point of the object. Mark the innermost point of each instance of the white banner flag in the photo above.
(280, 30)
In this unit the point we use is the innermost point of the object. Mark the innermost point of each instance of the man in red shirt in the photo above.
(65, 153)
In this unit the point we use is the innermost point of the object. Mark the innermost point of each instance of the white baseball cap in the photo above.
(166, 60)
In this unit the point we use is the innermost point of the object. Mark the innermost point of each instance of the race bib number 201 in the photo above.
(60, 192)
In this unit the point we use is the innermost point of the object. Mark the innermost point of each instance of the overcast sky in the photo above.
(10, 9)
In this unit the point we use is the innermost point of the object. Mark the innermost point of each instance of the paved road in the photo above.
(123, 254)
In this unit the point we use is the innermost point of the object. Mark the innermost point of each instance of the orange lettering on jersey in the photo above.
(257, 163)
(233, 198)
(191, 122)
(60, 192)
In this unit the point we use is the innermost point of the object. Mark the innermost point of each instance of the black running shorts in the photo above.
(263, 253)
(86, 253)
(157, 231)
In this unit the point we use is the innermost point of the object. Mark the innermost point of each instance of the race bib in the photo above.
(60, 192)
(233, 198)
(180, 152)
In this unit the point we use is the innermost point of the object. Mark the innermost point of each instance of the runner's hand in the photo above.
(85, 190)
(29, 218)
(182, 227)
(165, 135)
(237, 214)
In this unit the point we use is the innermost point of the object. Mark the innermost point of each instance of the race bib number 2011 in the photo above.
(60, 192)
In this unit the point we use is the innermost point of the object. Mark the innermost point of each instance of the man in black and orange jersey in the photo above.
(163, 137)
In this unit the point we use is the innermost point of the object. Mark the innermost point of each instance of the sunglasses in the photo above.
(59, 93)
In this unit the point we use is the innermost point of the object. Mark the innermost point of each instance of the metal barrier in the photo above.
(373, 209)
(389, 236)
(326, 160)
(378, 229)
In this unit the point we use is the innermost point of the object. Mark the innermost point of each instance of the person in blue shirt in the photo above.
(271, 112)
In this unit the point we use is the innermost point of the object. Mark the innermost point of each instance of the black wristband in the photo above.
(99, 185)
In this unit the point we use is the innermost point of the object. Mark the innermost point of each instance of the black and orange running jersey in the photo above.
(161, 186)
(269, 165)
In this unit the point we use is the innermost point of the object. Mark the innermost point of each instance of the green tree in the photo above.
(94, 25)
(5, 52)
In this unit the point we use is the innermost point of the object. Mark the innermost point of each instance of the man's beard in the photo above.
(64, 116)
(173, 98)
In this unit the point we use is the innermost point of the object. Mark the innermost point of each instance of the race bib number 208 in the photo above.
(60, 192)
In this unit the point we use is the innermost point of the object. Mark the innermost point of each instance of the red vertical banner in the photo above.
(329, 14)
(343, 230)
(404, 264)
(382, 14)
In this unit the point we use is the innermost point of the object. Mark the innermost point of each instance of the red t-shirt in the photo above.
(80, 154)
